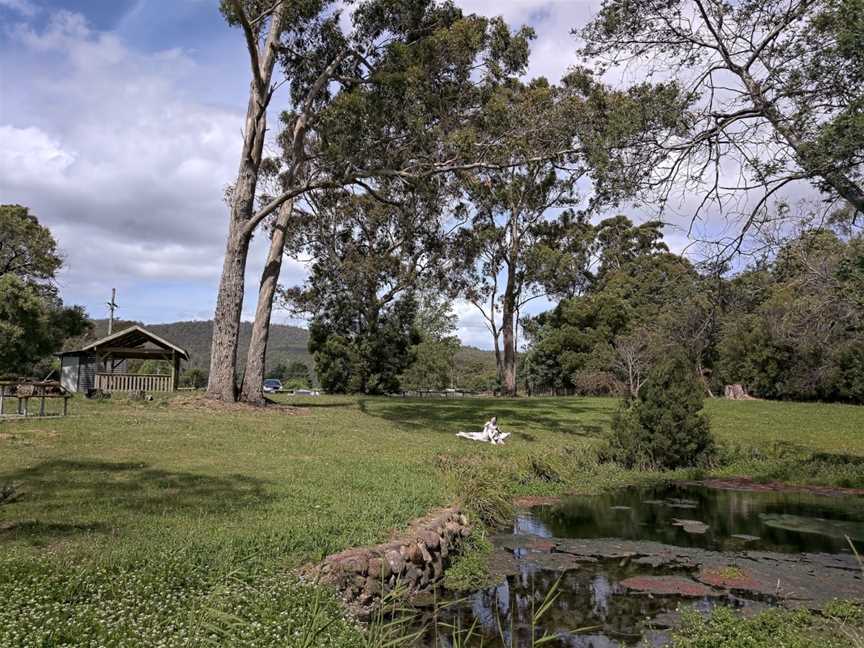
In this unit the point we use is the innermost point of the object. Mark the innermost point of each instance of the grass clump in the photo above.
(726, 628)
(469, 570)
(481, 486)
(664, 427)
(788, 462)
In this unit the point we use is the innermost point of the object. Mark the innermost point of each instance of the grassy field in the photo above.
(180, 522)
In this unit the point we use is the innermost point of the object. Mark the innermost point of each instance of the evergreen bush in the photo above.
(664, 426)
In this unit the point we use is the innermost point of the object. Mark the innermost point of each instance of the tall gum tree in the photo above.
(262, 28)
(391, 103)
(524, 239)
(368, 258)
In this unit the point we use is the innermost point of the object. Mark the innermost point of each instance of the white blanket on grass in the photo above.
(491, 433)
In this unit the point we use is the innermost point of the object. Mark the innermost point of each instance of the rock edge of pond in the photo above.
(412, 562)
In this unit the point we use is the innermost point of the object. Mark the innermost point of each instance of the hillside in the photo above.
(287, 343)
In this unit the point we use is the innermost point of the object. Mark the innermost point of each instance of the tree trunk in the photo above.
(253, 377)
(222, 383)
(499, 364)
(736, 392)
(509, 378)
(509, 341)
(508, 310)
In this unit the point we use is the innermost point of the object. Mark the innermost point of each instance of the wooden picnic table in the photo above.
(24, 391)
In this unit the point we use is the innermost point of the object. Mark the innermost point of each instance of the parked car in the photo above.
(272, 386)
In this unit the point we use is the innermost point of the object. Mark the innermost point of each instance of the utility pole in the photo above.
(112, 305)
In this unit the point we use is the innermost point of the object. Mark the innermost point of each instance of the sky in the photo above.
(120, 127)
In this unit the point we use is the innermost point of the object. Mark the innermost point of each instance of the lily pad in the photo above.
(691, 526)
(819, 526)
(668, 586)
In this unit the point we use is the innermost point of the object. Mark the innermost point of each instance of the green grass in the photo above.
(195, 517)
(841, 625)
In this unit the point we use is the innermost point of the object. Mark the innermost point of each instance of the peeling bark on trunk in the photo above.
(222, 383)
(226, 322)
(252, 390)
(509, 378)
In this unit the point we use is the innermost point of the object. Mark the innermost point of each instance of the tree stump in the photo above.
(736, 392)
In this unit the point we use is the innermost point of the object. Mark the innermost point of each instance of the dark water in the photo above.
(781, 522)
(591, 609)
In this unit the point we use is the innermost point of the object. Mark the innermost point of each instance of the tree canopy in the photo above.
(774, 91)
(787, 327)
(33, 321)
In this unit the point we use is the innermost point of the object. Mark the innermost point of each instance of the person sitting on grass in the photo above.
(491, 433)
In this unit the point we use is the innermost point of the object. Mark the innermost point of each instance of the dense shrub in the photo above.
(664, 427)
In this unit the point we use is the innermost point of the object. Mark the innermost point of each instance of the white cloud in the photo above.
(554, 49)
(23, 7)
(31, 154)
(108, 148)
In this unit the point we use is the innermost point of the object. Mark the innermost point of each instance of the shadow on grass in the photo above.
(450, 416)
(308, 405)
(99, 493)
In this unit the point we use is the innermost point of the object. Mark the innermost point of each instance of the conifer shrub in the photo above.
(664, 427)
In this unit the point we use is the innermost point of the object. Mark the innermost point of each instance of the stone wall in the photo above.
(413, 562)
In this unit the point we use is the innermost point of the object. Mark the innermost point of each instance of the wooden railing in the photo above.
(120, 382)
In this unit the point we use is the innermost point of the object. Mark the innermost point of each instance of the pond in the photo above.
(786, 522)
(622, 566)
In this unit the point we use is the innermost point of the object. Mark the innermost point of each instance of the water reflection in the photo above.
(782, 522)
(594, 610)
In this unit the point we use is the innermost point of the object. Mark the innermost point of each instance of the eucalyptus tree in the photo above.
(433, 363)
(618, 241)
(263, 24)
(390, 98)
(775, 93)
(368, 258)
(525, 238)
(27, 248)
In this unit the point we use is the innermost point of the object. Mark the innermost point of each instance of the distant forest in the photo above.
(287, 343)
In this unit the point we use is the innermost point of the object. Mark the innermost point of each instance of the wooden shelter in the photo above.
(103, 364)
